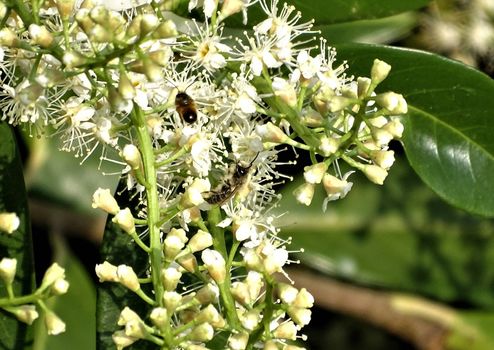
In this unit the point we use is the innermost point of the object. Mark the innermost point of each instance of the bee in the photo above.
(231, 185)
(186, 107)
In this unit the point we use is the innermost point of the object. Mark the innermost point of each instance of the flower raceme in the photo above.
(121, 77)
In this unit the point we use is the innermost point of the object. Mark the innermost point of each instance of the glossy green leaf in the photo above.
(373, 31)
(447, 136)
(399, 236)
(112, 298)
(77, 308)
(337, 11)
(18, 245)
(325, 12)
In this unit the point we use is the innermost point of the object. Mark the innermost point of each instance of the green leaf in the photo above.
(77, 309)
(447, 137)
(18, 245)
(373, 31)
(399, 236)
(337, 11)
(118, 248)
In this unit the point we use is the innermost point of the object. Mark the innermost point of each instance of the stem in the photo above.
(214, 217)
(146, 147)
(144, 297)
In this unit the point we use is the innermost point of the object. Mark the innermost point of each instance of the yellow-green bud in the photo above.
(53, 323)
(166, 29)
(238, 341)
(8, 37)
(132, 156)
(215, 264)
(40, 35)
(106, 272)
(128, 278)
(103, 199)
(24, 313)
(286, 330)
(375, 173)
(202, 333)
(304, 193)
(125, 220)
(170, 276)
(379, 71)
(200, 241)
(52, 274)
(7, 270)
(65, 8)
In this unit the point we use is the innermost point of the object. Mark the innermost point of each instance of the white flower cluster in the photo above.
(198, 122)
(25, 307)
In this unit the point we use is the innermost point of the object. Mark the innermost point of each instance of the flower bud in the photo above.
(121, 340)
(100, 14)
(9, 222)
(240, 292)
(7, 270)
(313, 174)
(159, 317)
(338, 103)
(166, 29)
(60, 287)
(84, 20)
(127, 315)
(381, 136)
(287, 293)
(363, 86)
(52, 274)
(151, 70)
(132, 156)
(136, 329)
(208, 314)
(238, 341)
(65, 8)
(312, 118)
(200, 241)
(128, 278)
(231, 7)
(384, 159)
(395, 128)
(286, 330)
(3, 11)
(106, 272)
(171, 300)
(379, 71)
(160, 57)
(328, 146)
(125, 220)
(171, 276)
(375, 173)
(304, 193)
(275, 261)
(215, 264)
(300, 316)
(103, 199)
(304, 299)
(255, 283)
(271, 133)
(53, 323)
(24, 313)
(172, 245)
(193, 195)
(188, 262)
(100, 34)
(208, 294)
(202, 333)
(336, 188)
(149, 22)
(73, 59)
(125, 87)
(250, 320)
(40, 35)
(8, 37)
(393, 102)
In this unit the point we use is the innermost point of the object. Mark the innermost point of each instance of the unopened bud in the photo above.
(312, 118)
(286, 330)
(121, 340)
(40, 35)
(52, 274)
(60, 287)
(132, 156)
(149, 22)
(159, 317)
(392, 102)
(207, 294)
(363, 86)
(271, 133)
(151, 70)
(287, 293)
(73, 59)
(100, 34)
(166, 29)
(136, 329)
(3, 11)
(381, 136)
(117, 102)
(202, 333)
(285, 91)
(395, 128)
(100, 14)
(304, 193)
(193, 195)
(313, 174)
(338, 103)
(128, 278)
(238, 341)
(103, 199)
(65, 8)
(53, 323)
(375, 173)
(200, 241)
(379, 71)
(24, 313)
(384, 159)
(241, 293)
(250, 320)
(328, 146)
(7, 270)
(170, 276)
(9, 222)
(188, 262)
(304, 299)
(215, 264)
(160, 57)
(84, 20)
(125, 220)
(171, 300)
(8, 37)
(106, 272)
(231, 7)
(299, 315)
(336, 188)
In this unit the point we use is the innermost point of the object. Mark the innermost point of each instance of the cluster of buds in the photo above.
(25, 307)
(363, 123)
